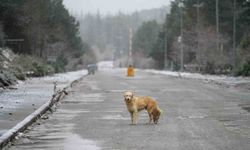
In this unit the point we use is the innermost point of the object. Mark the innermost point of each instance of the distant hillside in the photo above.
(109, 35)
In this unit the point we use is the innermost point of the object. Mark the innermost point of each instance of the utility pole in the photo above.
(217, 26)
(166, 45)
(234, 37)
(198, 24)
(130, 61)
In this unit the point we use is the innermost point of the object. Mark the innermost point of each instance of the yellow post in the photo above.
(130, 71)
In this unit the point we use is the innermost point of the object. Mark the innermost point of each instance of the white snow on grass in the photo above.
(36, 91)
(66, 77)
(221, 79)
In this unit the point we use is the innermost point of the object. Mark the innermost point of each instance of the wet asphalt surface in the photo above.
(197, 116)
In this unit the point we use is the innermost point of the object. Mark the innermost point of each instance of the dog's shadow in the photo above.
(144, 124)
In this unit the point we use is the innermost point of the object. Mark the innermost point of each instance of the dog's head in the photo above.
(156, 115)
(128, 95)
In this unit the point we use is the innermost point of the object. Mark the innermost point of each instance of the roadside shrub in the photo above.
(31, 66)
(7, 78)
(209, 68)
(20, 75)
(60, 64)
(245, 69)
(40, 69)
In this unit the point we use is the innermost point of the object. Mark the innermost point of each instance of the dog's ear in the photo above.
(124, 93)
(133, 93)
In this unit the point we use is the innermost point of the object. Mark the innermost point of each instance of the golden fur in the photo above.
(136, 104)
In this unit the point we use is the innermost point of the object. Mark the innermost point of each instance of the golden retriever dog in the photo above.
(137, 103)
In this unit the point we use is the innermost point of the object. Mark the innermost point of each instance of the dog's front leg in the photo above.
(133, 117)
(136, 117)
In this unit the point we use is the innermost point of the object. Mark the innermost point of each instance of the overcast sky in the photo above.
(112, 6)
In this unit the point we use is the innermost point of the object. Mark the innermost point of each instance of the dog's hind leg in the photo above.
(150, 117)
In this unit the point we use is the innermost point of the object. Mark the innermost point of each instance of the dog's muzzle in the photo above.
(127, 99)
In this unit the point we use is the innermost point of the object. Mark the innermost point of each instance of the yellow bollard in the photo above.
(130, 71)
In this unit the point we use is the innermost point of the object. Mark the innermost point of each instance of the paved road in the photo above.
(197, 116)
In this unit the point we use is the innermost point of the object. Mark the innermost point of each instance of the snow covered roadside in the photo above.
(20, 108)
(35, 90)
(63, 79)
(217, 79)
(30, 94)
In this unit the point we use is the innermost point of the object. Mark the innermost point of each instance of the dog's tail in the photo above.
(159, 110)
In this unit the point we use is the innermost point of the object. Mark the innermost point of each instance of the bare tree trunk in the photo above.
(217, 26)
(234, 36)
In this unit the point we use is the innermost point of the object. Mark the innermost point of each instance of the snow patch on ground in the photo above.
(220, 79)
(77, 143)
(103, 65)
(66, 77)
(32, 93)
